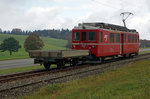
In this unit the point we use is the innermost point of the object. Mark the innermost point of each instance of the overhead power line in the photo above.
(105, 4)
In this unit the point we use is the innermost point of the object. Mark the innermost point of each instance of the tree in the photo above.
(10, 44)
(33, 42)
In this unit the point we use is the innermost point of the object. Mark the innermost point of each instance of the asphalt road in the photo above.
(144, 49)
(16, 63)
(24, 62)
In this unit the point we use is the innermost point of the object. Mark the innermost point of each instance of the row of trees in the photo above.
(32, 42)
(54, 33)
(144, 43)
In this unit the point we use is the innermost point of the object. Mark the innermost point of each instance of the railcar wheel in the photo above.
(101, 59)
(47, 66)
(60, 64)
(127, 55)
(74, 62)
(136, 54)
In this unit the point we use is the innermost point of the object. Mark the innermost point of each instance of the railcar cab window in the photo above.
(111, 37)
(83, 36)
(76, 36)
(92, 36)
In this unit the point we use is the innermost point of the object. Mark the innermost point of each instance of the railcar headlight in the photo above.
(93, 46)
(74, 46)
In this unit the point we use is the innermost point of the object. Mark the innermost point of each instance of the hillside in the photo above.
(50, 44)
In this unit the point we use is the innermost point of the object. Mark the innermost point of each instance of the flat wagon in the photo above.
(58, 57)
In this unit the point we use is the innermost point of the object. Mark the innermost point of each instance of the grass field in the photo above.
(128, 82)
(50, 44)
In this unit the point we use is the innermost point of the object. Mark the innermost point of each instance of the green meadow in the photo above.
(50, 44)
(128, 82)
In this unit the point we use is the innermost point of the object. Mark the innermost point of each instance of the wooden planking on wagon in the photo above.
(58, 53)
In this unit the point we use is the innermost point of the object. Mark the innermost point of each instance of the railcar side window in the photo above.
(83, 36)
(132, 38)
(76, 36)
(111, 37)
(129, 37)
(100, 37)
(124, 38)
(92, 36)
(117, 37)
(135, 38)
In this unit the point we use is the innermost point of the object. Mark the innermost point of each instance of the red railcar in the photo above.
(103, 40)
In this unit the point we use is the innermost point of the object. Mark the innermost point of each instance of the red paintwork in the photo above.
(105, 48)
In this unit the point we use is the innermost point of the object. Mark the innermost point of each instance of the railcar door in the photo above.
(83, 39)
(122, 43)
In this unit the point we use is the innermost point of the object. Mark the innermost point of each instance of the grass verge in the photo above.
(21, 69)
(128, 82)
(143, 52)
(145, 48)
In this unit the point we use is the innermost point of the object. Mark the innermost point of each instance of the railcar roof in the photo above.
(104, 26)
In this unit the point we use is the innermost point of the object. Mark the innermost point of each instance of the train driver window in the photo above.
(92, 36)
(76, 36)
(83, 36)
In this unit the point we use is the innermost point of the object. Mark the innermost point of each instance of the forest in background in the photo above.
(59, 34)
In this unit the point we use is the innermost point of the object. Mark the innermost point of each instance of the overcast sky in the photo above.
(49, 14)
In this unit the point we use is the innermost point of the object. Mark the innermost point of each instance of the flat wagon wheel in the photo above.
(74, 62)
(60, 64)
(47, 66)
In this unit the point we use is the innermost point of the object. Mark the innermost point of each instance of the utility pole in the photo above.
(125, 18)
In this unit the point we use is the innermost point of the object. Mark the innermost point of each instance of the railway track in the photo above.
(27, 82)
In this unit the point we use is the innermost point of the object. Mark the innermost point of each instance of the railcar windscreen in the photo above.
(83, 36)
(92, 36)
(76, 36)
